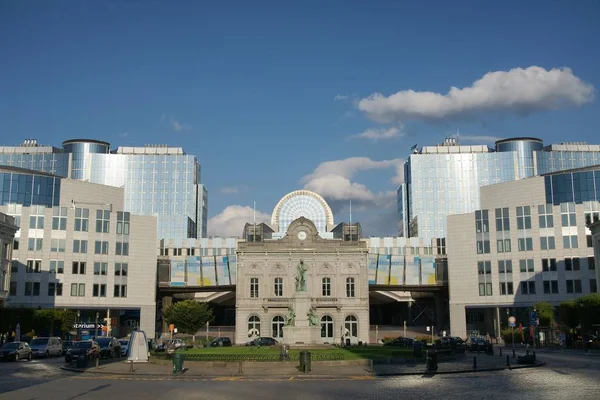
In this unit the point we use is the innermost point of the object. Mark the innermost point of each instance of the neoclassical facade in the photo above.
(302, 288)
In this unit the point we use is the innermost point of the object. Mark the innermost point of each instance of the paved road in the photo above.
(566, 376)
(16, 375)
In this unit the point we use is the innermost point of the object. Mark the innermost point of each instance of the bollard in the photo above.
(97, 362)
(507, 361)
(371, 366)
(500, 351)
(514, 354)
(131, 366)
(474, 362)
(240, 368)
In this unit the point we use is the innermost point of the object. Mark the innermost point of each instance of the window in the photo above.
(121, 269)
(528, 287)
(526, 265)
(253, 326)
(78, 289)
(58, 245)
(100, 268)
(36, 217)
(551, 287)
(34, 266)
(78, 268)
(16, 244)
(591, 212)
(525, 244)
(122, 249)
(570, 242)
(80, 246)
(484, 269)
(278, 287)
(502, 220)
(57, 266)
(13, 289)
(101, 247)
(32, 288)
(120, 291)
(102, 221)
(567, 214)
(505, 267)
(351, 326)
(350, 287)
(14, 266)
(254, 287)
(123, 223)
(59, 218)
(99, 290)
(546, 219)
(326, 284)
(55, 289)
(483, 247)
(574, 286)
(326, 327)
(35, 244)
(191, 251)
(441, 246)
(482, 222)
(506, 288)
(277, 326)
(523, 217)
(82, 218)
(572, 264)
(548, 264)
(591, 263)
(547, 243)
(593, 286)
(176, 250)
(506, 285)
(589, 241)
(503, 245)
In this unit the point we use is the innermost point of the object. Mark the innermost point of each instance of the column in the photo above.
(166, 302)
(148, 320)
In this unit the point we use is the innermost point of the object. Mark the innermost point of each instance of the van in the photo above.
(46, 346)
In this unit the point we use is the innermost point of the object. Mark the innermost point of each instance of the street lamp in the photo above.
(78, 324)
(97, 316)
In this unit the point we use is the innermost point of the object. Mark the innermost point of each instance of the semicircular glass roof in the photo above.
(303, 204)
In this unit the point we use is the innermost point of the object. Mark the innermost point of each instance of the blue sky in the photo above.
(265, 92)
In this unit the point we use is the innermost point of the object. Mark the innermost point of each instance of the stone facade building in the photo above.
(7, 236)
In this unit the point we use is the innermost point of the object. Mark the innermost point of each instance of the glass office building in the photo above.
(157, 180)
(445, 179)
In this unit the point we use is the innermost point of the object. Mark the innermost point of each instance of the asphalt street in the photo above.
(564, 376)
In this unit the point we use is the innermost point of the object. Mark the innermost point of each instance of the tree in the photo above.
(568, 312)
(589, 310)
(545, 312)
(188, 316)
(66, 319)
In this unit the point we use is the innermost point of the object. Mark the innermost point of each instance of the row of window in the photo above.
(77, 289)
(529, 287)
(77, 267)
(79, 246)
(327, 331)
(82, 215)
(325, 287)
(526, 244)
(528, 265)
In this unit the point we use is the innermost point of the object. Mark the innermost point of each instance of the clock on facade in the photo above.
(301, 235)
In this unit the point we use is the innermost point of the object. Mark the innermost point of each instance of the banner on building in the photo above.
(383, 269)
(412, 270)
(428, 271)
(223, 271)
(372, 268)
(397, 270)
(194, 275)
(177, 272)
(209, 277)
(232, 262)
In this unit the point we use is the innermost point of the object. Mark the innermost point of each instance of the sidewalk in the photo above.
(592, 352)
(460, 364)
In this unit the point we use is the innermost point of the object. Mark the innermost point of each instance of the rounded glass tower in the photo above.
(80, 149)
(524, 149)
(302, 203)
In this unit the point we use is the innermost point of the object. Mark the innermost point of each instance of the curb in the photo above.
(309, 376)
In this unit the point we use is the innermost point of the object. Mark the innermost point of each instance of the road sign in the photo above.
(87, 326)
(533, 318)
(512, 320)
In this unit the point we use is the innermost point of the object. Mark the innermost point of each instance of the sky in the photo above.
(276, 96)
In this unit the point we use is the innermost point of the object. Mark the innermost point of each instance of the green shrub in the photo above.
(424, 339)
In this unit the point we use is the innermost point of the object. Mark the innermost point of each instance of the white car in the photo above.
(124, 346)
(46, 346)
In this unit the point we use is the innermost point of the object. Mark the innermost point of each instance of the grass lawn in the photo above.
(350, 353)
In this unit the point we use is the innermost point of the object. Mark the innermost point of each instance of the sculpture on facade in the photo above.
(290, 317)
(313, 319)
(301, 277)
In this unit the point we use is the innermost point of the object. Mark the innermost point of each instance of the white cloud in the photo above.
(376, 134)
(123, 134)
(333, 181)
(230, 222)
(518, 91)
(341, 97)
(233, 189)
(180, 126)
(478, 138)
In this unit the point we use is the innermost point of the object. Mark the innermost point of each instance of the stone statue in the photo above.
(290, 317)
(301, 277)
(313, 320)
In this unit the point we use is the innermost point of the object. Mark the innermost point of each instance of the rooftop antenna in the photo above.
(457, 136)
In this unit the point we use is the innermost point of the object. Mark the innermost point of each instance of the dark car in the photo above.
(476, 344)
(85, 348)
(66, 345)
(109, 347)
(452, 342)
(401, 342)
(15, 351)
(262, 341)
(220, 342)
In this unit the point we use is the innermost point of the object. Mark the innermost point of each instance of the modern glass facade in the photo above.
(22, 187)
(573, 186)
(157, 180)
(445, 179)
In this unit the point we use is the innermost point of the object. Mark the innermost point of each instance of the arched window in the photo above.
(351, 324)
(327, 327)
(253, 326)
(277, 326)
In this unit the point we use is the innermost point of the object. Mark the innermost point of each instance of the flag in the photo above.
(414, 147)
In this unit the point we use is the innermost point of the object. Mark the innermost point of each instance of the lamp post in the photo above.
(97, 316)
(78, 323)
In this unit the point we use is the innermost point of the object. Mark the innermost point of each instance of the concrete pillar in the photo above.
(166, 302)
(148, 320)
(458, 320)
(410, 314)
(498, 324)
(440, 315)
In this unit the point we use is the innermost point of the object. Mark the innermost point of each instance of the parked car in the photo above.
(84, 348)
(124, 346)
(451, 342)
(171, 345)
(66, 345)
(476, 344)
(262, 341)
(15, 351)
(220, 342)
(46, 347)
(401, 341)
(109, 347)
